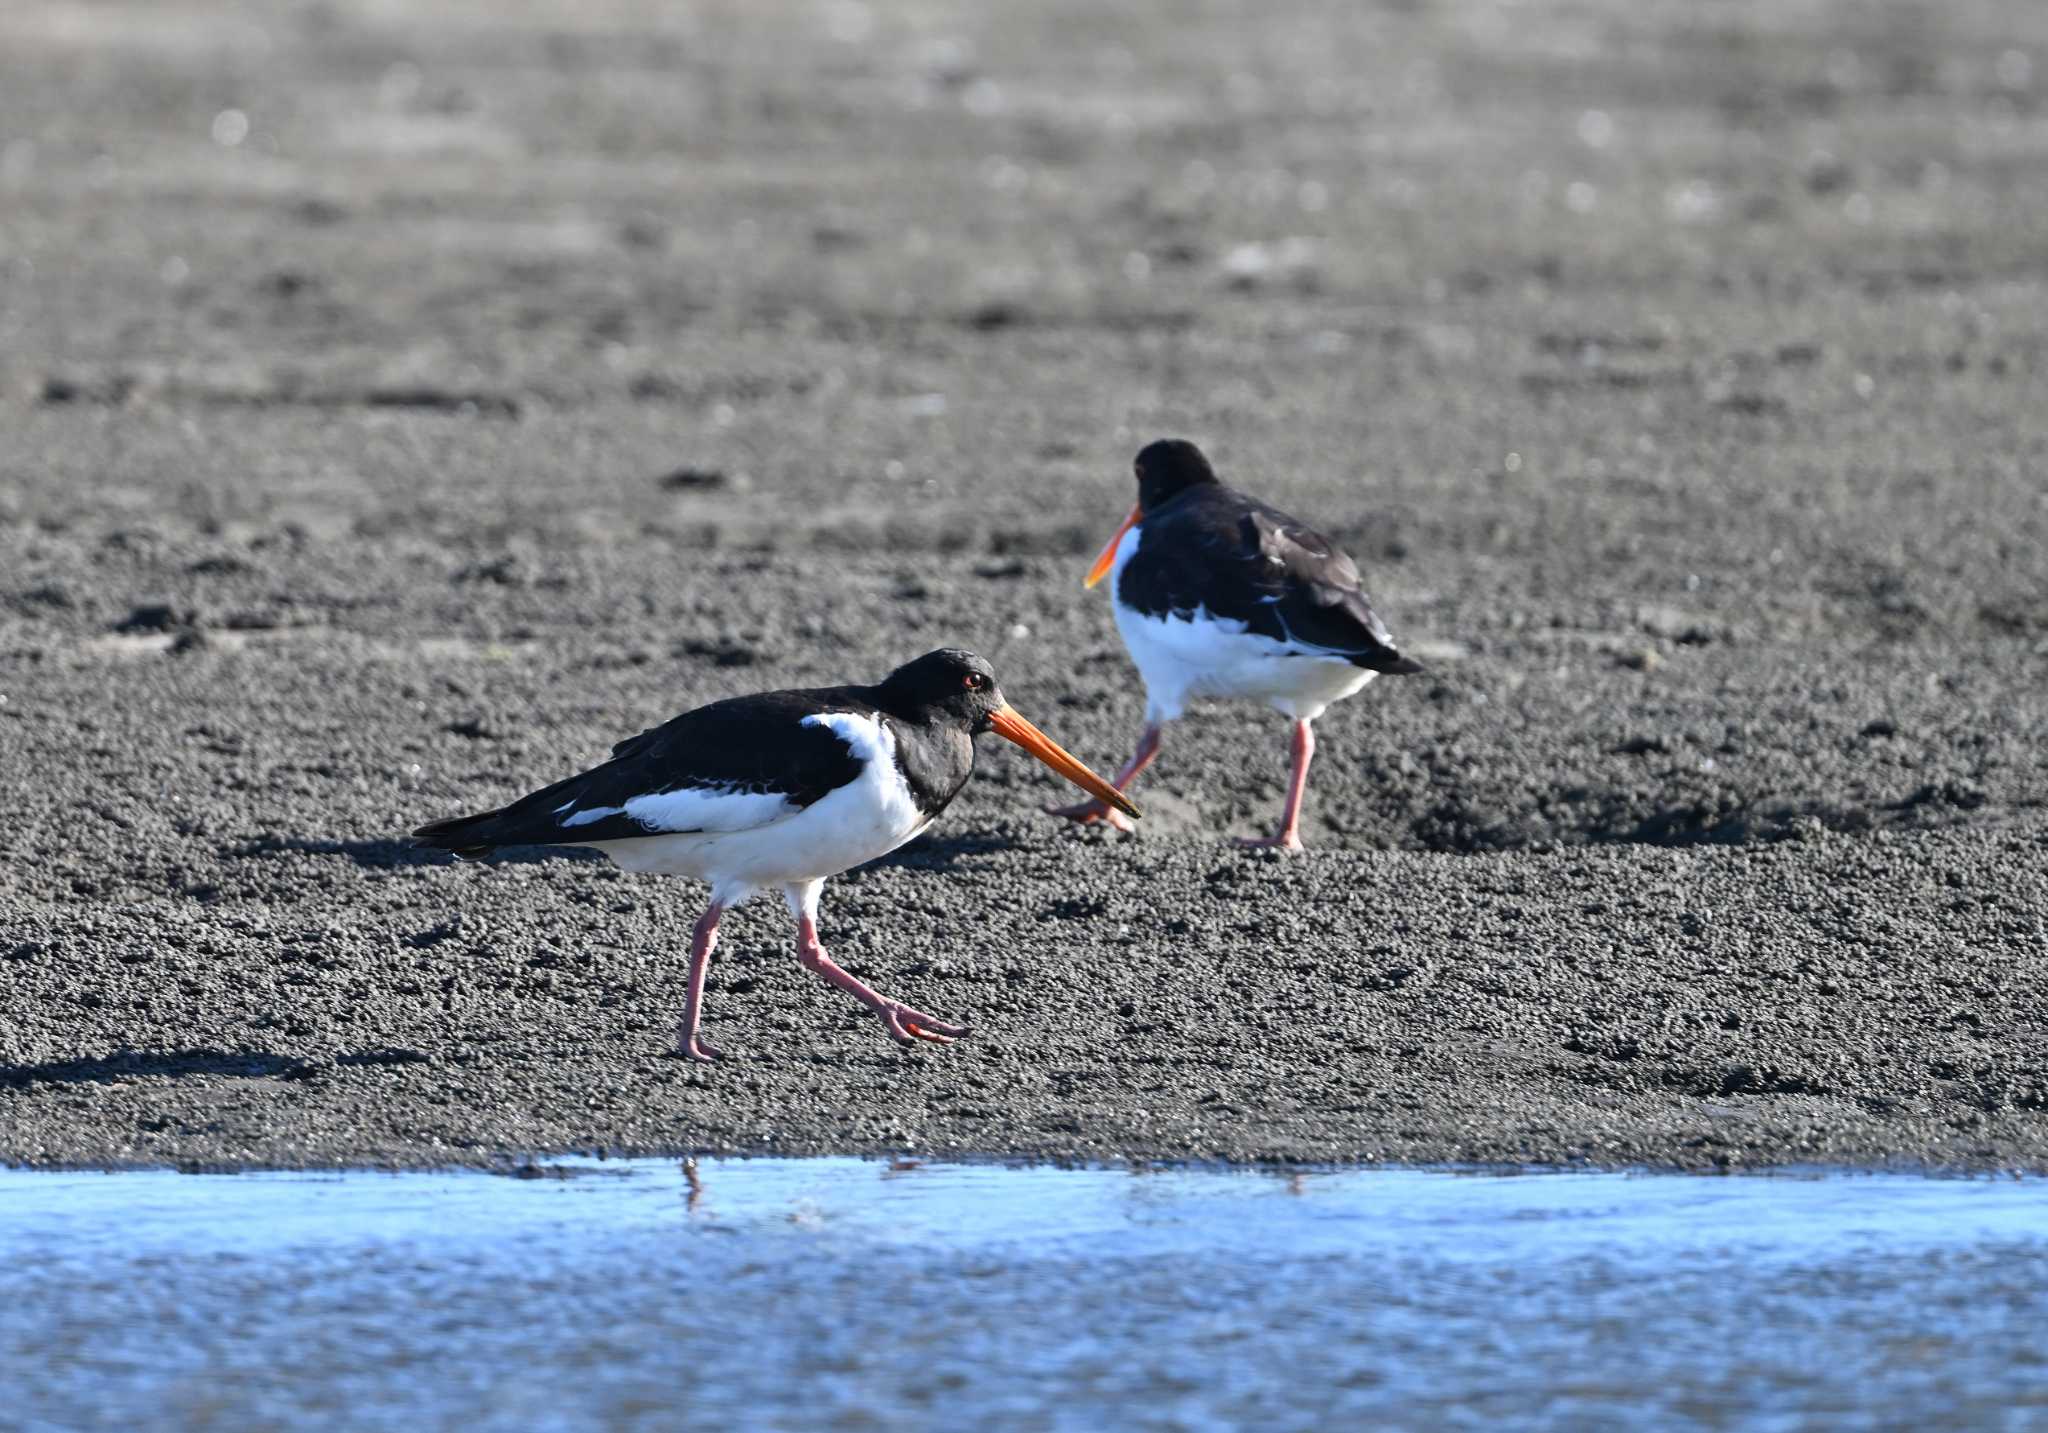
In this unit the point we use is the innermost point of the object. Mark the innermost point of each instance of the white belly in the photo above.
(868, 817)
(1183, 658)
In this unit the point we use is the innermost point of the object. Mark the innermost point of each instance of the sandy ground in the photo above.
(397, 409)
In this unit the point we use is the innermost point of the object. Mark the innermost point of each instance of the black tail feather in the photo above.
(1389, 661)
(458, 834)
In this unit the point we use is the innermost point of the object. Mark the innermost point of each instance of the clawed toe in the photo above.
(1088, 813)
(908, 1026)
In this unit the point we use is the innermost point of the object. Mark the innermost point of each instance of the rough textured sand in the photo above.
(519, 379)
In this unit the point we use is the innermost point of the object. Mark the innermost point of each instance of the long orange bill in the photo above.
(1106, 559)
(1011, 727)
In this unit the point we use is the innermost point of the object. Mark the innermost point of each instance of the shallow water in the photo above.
(847, 1294)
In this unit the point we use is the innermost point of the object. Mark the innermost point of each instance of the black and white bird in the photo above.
(780, 790)
(1219, 595)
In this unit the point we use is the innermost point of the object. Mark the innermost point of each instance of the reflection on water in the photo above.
(841, 1293)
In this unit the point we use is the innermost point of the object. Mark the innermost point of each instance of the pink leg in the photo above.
(1097, 810)
(1289, 836)
(701, 941)
(904, 1023)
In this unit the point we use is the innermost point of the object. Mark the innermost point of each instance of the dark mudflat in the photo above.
(509, 388)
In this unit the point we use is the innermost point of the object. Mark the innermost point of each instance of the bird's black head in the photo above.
(948, 684)
(1168, 468)
(953, 689)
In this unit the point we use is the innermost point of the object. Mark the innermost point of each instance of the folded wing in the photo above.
(1247, 562)
(735, 765)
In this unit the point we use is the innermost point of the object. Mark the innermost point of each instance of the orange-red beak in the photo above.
(1010, 727)
(1106, 559)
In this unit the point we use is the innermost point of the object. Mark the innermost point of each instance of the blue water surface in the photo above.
(842, 1293)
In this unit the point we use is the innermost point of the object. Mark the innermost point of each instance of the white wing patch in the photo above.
(723, 810)
(709, 808)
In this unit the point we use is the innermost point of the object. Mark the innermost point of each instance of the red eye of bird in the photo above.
(974, 681)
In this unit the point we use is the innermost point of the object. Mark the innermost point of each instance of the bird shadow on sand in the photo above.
(397, 854)
(135, 1064)
(927, 854)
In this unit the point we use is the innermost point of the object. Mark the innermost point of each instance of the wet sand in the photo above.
(395, 413)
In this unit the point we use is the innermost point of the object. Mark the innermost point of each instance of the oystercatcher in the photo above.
(1218, 595)
(781, 789)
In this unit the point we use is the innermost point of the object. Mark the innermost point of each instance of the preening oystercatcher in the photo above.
(1219, 595)
(780, 790)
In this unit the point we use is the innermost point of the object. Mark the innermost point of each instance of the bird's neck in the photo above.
(936, 758)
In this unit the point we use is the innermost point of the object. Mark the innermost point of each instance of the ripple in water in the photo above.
(839, 1293)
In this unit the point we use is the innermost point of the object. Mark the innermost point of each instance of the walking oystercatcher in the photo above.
(1218, 595)
(781, 789)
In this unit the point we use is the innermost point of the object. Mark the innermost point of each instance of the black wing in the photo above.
(719, 761)
(1215, 548)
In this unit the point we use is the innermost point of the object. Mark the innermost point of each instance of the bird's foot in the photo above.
(694, 1048)
(1285, 841)
(1089, 812)
(908, 1026)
